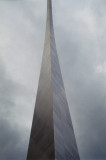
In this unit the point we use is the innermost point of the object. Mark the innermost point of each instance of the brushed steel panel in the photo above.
(52, 135)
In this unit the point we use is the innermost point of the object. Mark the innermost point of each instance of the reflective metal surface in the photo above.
(52, 136)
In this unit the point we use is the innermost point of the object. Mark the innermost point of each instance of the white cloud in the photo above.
(101, 68)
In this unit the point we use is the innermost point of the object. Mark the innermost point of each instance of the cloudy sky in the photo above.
(80, 31)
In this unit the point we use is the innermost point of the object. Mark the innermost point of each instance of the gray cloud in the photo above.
(80, 36)
(12, 144)
(13, 136)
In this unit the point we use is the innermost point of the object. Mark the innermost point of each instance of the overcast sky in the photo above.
(80, 31)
